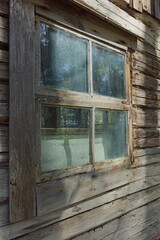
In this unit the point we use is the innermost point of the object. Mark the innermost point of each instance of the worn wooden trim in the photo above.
(22, 111)
(73, 171)
(67, 98)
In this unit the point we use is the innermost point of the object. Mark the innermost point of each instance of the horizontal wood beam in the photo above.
(110, 12)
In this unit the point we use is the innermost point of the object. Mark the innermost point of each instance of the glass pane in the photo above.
(64, 137)
(64, 59)
(108, 72)
(111, 134)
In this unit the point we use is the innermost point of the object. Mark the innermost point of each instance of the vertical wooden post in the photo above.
(22, 110)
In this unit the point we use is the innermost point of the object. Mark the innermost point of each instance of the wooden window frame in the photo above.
(66, 98)
(23, 152)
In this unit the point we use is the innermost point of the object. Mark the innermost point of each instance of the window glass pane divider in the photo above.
(92, 136)
(90, 68)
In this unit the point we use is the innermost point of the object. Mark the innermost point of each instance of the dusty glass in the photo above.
(64, 137)
(64, 59)
(108, 72)
(111, 134)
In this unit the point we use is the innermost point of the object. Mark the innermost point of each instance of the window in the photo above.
(82, 98)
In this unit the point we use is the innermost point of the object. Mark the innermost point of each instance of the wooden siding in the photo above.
(4, 77)
(121, 201)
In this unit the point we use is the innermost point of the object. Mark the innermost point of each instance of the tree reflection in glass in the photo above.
(108, 72)
(64, 59)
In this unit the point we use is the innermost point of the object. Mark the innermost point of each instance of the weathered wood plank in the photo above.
(151, 231)
(4, 71)
(110, 12)
(144, 137)
(4, 89)
(4, 177)
(58, 194)
(140, 133)
(4, 158)
(146, 151)
(86, 23)
(149, 103)
(4, 214)
(22, 110)
(147, 82)
(143, 97)
(73, 189)
(30, 225)
(132, 226)
(100, 216)
(4, 27)
(4, 7)
(3, 56)
(145, 160)
(146, 118)
(143, 68)
(147, 142)
(4, 147)
(147, 5)
(137, 5)
(144, 47)
(3, 112)
(147, 59)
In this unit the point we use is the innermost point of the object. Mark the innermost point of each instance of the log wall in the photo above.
(120, 201)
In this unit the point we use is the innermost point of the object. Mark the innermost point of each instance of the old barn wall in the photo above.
(118, 202)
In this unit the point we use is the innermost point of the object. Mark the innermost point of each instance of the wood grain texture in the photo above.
(33, 224)
(146, 118)
(117, 16)
(22, 110)
(4, 177)
(4, 214)
(100, 216)
(138, 224)
(4, 7)
(58, 194)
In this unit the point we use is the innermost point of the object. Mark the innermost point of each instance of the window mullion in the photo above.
(92, 136)
(90, 68)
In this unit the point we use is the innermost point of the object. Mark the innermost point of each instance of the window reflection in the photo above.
(64, 59)
(108, 72)
(111, 134)
(64, 137)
